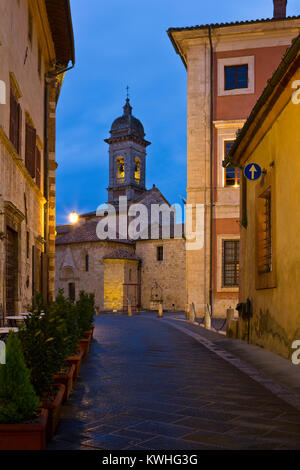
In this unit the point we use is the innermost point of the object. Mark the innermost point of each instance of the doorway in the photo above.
(11, 271)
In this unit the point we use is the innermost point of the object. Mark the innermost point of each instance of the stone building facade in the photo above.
(143, 270)
(34, 54)
(270, 244)
(228, 66)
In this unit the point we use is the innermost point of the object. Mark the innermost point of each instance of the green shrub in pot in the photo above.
(18, 400)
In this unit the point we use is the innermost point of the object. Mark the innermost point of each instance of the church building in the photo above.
(144, 268)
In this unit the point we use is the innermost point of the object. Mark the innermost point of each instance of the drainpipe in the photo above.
(211, 171)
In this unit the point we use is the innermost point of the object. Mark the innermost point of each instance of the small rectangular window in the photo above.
(160, 253)
(87, 263)
(236, 76)
(72, 292)
(231, 263)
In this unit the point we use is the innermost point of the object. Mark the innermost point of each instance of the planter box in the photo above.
(76, 360)
(54, 408)
(66, 380)
(84, 344)
(91, 332)
(24, 436)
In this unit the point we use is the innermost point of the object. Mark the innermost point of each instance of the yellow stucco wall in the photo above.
(276, 320)
(113, 284)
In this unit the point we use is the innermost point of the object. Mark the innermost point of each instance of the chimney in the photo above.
(280, 9)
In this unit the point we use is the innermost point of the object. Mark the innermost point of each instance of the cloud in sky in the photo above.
(120, 43)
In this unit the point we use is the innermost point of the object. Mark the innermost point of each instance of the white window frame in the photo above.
(220, 239)
(226, 131)
(246, 60)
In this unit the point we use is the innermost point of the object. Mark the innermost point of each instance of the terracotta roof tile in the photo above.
(231, 23)
(85, 232)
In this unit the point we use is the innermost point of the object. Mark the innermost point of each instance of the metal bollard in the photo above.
(192, 313)
(229, 315)
(207, 320)
(187, 311)
(129, 309)
(160, 311)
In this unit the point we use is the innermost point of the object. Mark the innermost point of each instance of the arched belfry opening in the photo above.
(127, 157)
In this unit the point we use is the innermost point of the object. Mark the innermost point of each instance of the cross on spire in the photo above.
(127, 91)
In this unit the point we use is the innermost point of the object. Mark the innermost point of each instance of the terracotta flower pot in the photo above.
(67, 380)
(31, 436)
(54, 408)
(76, 359)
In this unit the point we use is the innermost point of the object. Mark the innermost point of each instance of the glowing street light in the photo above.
(73, 217)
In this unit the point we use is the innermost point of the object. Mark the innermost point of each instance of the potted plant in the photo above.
(44, 345)
(85, 308)
(22, 422)
(65, 376)
(67, 310)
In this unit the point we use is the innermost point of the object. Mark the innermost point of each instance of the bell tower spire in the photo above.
(127, 156)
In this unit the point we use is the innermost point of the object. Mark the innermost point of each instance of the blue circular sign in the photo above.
(252, 171)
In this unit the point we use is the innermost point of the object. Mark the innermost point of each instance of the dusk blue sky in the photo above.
(120, 43)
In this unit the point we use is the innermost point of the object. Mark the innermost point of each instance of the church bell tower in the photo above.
(127, 157)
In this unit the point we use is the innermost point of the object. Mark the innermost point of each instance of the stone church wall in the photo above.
(91, 280)
(169, 274)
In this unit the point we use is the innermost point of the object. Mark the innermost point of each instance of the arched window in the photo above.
(137, 170)
(120, 170)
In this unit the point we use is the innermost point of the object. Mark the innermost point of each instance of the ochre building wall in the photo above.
(276, 314)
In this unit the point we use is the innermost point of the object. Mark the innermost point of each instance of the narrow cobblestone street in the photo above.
(146, 385)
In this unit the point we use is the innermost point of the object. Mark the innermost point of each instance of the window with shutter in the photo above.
(30, 150)
(15, 124)
(265, 233)
(19, 129)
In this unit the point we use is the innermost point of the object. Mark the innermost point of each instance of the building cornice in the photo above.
(129, 137)
(235, 36)
(229, 123)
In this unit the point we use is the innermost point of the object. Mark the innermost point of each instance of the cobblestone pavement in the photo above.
(146, 385)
